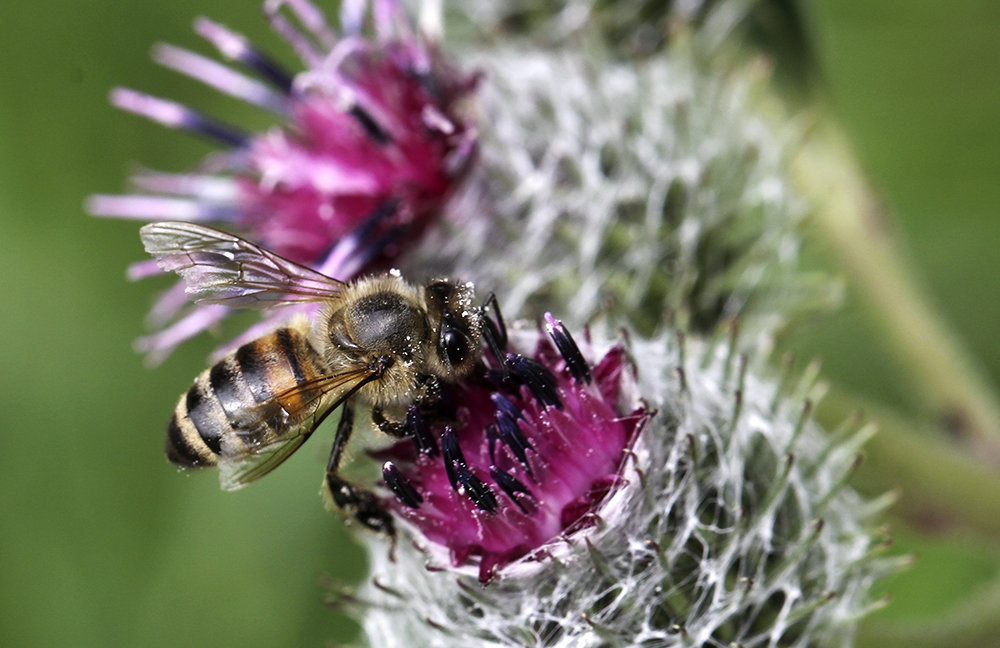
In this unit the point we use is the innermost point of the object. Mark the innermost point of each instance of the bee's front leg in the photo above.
(434, 405)
(396, 429)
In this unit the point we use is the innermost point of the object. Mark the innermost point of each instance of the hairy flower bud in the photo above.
(654, 186)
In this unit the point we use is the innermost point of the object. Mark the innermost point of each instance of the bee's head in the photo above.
(456, 324)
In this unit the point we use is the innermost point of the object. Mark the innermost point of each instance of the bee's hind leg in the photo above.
(359, 502)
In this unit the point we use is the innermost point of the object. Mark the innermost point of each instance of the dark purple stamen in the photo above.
(420, 432)
(482, 501)
(512, 486)
(510, 433)
(478, 492)
(505, 406)
(212, 129)
(267, 68)
(383, 211)
(429, 83)
(536, 376)
(494, 332)
(567, 347)
(175, 115)
(401, 486)
(452, 455)
(492, 436)
(370, 125)
(461, 477)
(516, 442)
(375, 249)
(366, 247)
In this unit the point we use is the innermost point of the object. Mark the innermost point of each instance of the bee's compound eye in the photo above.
(455, 346)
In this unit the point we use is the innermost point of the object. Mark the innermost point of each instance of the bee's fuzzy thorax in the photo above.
(338, 318)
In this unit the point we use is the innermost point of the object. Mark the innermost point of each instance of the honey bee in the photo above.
(381, 340)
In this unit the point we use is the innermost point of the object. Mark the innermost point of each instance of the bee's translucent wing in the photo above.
(221, 268)
(241, 464)
(239, 470)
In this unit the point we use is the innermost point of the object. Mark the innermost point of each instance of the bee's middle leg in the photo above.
(359, 502)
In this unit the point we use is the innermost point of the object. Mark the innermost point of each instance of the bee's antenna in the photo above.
(494, 332)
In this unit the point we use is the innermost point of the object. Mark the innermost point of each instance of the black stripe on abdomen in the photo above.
(186, 444)
(252, 361)
(237, 403)
(243, 412)
(287, 347)
(179, 451)
(207, 415)
(224, 378)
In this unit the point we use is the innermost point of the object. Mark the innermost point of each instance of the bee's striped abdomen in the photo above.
(232, 406)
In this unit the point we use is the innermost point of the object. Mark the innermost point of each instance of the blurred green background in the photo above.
(103, 544)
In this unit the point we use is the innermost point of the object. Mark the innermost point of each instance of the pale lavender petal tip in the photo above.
(142, 270)
(220, 77)
(168, 113)
(142, 207)
(231, 45)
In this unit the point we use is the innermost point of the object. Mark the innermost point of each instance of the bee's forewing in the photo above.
(220, 268)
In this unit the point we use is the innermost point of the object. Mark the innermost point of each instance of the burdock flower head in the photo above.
(716, 515)
(371, 140)
(534, 450)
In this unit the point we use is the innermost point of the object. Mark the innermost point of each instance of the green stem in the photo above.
(972, 624)
(852, 220)
(931, 472)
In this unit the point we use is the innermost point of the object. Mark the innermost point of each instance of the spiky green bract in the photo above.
(734, 528)
(652, 187)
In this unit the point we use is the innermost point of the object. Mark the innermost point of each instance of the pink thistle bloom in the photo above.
(372, 140)
(533, 452)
